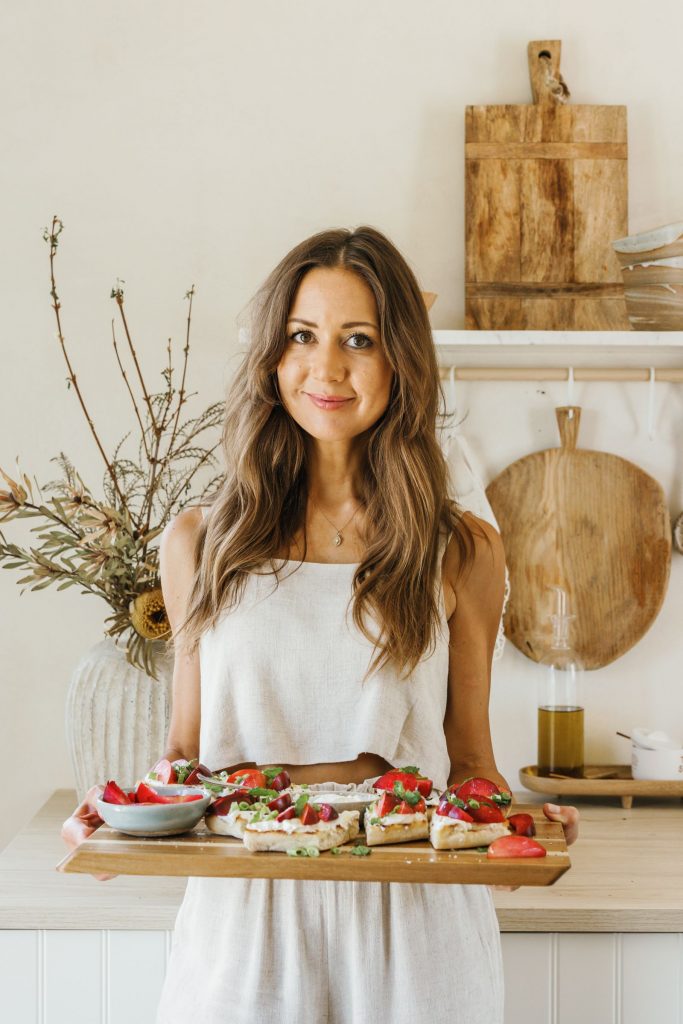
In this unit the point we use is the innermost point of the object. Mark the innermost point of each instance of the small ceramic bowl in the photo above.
(656, 764)
(156, 819)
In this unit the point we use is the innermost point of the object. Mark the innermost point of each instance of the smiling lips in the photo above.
(329, 401)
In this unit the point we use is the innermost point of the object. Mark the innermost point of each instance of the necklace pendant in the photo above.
(338, 539)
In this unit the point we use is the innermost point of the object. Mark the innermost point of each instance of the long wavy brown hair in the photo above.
(262, 500)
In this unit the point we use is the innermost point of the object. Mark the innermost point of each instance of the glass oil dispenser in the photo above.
(560, 707)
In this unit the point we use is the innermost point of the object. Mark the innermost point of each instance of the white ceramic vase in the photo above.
(117, 716)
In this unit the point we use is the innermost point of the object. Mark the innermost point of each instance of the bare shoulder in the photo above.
(179, 536)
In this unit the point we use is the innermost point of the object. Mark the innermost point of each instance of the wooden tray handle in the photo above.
(568, 420)
(547, 84)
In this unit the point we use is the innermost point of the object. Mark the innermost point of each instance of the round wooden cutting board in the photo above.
(592, 523)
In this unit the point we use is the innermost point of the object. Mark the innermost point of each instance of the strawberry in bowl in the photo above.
(151, 810)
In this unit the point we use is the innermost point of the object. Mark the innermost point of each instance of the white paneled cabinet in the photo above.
(115, 977)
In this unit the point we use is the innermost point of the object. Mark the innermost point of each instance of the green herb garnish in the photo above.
(361, 851)
(481, 849)
(335, 849)
(213, 787)
(301, 802)
(267, 794)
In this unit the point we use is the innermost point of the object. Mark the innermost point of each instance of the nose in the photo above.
(327, 363)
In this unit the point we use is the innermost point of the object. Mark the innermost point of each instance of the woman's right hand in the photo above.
(83, 822)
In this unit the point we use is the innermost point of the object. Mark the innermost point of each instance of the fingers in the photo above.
(84, 820)
(567, 816)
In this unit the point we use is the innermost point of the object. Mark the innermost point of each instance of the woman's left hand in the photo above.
(568, 817)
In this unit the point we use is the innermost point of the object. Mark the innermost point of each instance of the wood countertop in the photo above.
(626, 876)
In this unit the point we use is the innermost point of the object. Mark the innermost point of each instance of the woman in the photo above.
(334, 501)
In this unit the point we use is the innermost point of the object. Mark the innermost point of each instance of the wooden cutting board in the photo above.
(546, 193)
(590, 522)
(201, 852)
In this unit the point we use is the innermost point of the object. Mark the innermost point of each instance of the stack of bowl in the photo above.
(652, 270)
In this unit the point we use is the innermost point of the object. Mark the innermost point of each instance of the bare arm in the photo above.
(176, 568)
(473, 629)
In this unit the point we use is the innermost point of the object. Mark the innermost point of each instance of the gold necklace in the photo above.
(338, 538)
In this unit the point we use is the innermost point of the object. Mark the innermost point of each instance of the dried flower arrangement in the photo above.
(107, 546)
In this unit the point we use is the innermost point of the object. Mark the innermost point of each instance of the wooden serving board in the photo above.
(546, 193)
(592, 523)
(616, 781)
(204, 853)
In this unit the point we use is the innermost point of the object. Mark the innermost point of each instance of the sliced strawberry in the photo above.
(515, 846)
(280, 803)
(458, 813)
(280, 781)
(289, 812)
(113, 794)
(522, 824)
(481, 789)
(476, 787)
(309, 815)
(164, 772)
(145, 794)
(222, 805)
(193, 778)
(404, 808)
(185, 798)
(386, 804)
(249, 777)
(328, 812)
(485, 812)
(409, 776)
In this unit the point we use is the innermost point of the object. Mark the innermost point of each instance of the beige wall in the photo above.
(189, 144)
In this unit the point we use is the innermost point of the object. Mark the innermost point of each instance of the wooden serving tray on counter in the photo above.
(600, 780)
(201, 852)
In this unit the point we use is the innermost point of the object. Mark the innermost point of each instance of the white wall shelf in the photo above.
(605, 340)
(549, 355)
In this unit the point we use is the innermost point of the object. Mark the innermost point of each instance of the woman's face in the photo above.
(333, 349)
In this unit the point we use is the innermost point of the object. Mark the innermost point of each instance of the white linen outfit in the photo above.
(281, 683)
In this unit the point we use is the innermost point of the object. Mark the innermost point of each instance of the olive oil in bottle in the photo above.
(560, 709)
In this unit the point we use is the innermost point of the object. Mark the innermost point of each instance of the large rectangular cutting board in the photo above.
(201, 852)
(546, 193)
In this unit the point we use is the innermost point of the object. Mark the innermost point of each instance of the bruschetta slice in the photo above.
(397, 817)
(302, 823)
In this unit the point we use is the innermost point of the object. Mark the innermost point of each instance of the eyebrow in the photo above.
(354, 323)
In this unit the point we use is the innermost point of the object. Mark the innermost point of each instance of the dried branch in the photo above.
(52, 239)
